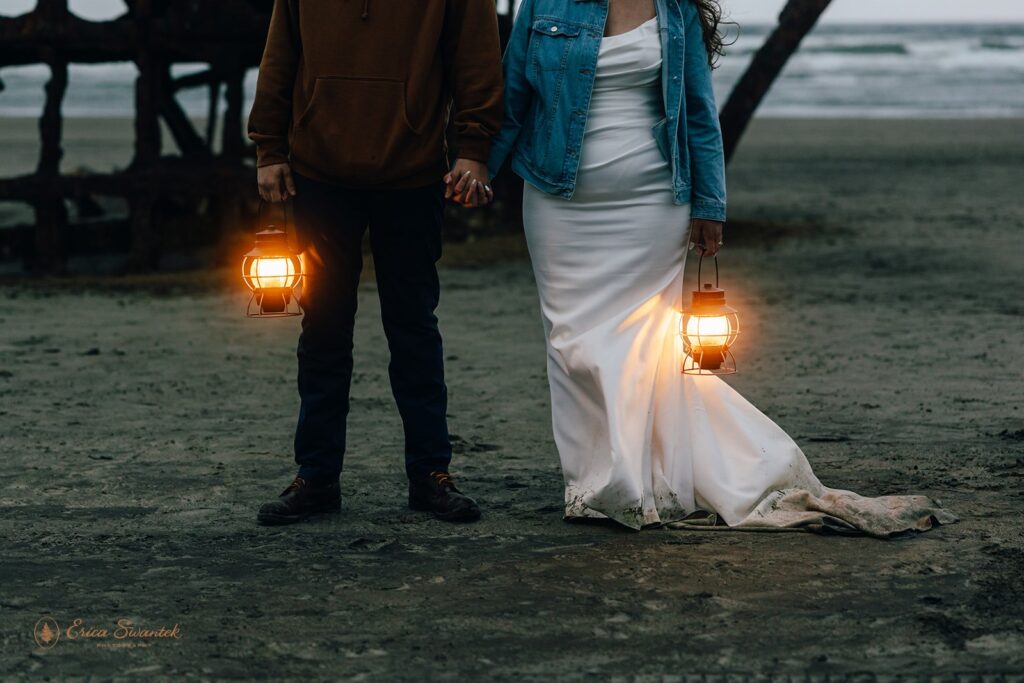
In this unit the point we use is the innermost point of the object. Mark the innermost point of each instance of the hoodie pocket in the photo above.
(354, 126)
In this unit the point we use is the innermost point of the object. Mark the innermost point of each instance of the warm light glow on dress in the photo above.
(273, 271)
(709, 328)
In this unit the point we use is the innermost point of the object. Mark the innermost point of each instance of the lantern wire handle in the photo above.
(286, 208)
(700, 261)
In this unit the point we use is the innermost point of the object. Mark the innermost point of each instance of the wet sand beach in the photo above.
(877, 267)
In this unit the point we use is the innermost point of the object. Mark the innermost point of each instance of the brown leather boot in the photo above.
(300, 500)
(437, 493)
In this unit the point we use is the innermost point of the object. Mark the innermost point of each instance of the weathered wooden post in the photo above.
(145, 246)
(228, 210)
(233, 129)
(50, 211)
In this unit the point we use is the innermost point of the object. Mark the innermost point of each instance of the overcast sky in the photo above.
(740, 10)
(897, 11)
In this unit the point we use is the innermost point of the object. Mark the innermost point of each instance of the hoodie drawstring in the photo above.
(366, 9)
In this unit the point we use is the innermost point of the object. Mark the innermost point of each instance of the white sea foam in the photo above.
(891, 72)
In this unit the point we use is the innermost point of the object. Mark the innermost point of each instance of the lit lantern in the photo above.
(709, 328)
(273, 271)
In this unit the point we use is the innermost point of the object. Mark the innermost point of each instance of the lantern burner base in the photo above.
(710, 363)
(273, 303)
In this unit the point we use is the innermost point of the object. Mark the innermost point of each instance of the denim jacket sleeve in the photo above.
(704, 135)
(518, 92)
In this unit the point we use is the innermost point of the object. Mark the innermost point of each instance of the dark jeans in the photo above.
(405, 237)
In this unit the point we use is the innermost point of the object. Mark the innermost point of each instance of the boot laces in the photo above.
(443, 480)
(294, 486)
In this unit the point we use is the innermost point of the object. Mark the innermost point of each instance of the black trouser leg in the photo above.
(405, 235)
(331, 222)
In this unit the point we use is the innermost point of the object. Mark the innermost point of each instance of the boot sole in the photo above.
(270, 519)
(467, 515)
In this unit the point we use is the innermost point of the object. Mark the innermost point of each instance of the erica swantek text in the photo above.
(126, 629)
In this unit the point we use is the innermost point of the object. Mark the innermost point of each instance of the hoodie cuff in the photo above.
(474, 148)
(269, 154)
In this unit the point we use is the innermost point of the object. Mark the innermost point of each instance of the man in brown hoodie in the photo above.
(352, 103)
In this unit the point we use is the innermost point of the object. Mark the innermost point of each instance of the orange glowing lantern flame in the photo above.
(273, 272)
(709, 328)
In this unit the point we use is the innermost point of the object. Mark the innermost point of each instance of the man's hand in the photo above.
(706, 236)
(468, 183)
(275, 182)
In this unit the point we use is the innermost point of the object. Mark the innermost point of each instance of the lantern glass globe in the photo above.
(273, 272)
(705, 332)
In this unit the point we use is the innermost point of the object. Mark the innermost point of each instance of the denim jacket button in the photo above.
(554, 29)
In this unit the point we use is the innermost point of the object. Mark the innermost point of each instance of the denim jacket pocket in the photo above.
(660, 133)
(550, 40)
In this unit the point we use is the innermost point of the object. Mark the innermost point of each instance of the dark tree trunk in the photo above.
(796, 21)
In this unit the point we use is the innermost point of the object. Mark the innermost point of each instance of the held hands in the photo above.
(705, 236)
(468, 183)
(275, 182)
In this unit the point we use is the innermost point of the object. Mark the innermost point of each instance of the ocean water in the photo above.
(890, 71)
(877, 71)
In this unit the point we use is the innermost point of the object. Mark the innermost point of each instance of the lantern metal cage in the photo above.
(274, 274)
(708, 327)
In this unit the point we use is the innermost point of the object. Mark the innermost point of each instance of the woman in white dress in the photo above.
(610, 119)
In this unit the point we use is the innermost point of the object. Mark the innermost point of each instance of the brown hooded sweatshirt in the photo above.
(358, 92)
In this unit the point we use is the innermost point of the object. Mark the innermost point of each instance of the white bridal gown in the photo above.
(640, 442)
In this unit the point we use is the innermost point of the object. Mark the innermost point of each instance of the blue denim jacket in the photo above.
(549, 74)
